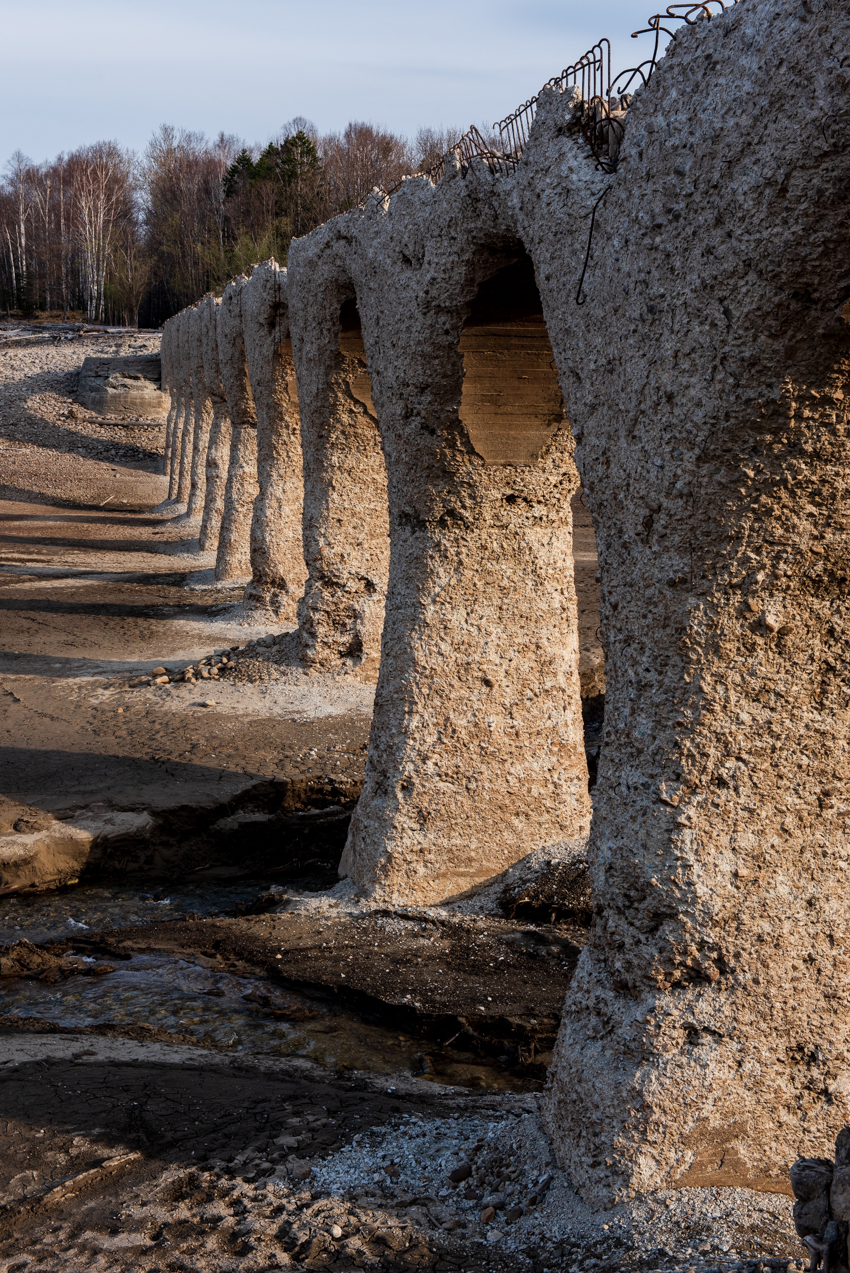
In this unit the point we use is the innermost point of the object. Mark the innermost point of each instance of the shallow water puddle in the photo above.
(70, 912)
(195, 997)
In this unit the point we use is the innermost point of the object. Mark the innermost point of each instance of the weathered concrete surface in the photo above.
(705, 379)
(277, 554)
(233, 559)
(346, 540)
(218, 445)
(706, 1034)
(166, 362)
(202, 415)
(177, 389)
(183, 457)
(129, 387)
(476, 755)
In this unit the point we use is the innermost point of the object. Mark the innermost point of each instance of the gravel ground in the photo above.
(38, 404)
(212, 1163)
(39, 412)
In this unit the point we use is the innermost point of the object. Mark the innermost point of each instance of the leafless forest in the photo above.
(127, 238)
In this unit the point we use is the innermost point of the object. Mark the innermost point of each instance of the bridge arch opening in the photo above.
(512, 409)
(511, 405)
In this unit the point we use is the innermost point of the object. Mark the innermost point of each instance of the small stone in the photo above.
(839, 1194)
(463, 1172)
(842, 1148)
(336, 1231)
(159, 671)
(515, 1213)
(208, 702)
(495, 1200)
(494, 1236)
(488, 1215)
(159, 680)
(300, 1170)
(811, 1216)
(810, 1177)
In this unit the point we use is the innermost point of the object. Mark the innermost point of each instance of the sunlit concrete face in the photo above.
(218, 443)
(476, 754)
(346, 541)
(202, 413)
(277, 556)
(233, 557)
(181, 455)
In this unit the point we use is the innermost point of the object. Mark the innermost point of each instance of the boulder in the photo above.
(124, 388)
(811, 1217)
(50, 856)
(39, 851)
(839, 1194)
(811, 1177)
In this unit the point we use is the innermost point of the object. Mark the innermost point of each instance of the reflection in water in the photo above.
(68, 912)
(194, 996)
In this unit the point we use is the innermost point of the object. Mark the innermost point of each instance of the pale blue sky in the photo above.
(76, 71)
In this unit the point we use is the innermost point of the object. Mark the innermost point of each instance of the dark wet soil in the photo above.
(468, 985)
(112, 1163)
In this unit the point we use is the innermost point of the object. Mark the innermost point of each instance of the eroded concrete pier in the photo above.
(674, 323)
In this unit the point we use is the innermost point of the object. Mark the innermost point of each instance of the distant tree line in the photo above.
(129, 239)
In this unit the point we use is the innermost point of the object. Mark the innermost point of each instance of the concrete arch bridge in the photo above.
(387, 436)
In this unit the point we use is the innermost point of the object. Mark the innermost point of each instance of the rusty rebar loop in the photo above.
(605, 101)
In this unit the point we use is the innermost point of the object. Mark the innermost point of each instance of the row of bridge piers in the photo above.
(386, 438)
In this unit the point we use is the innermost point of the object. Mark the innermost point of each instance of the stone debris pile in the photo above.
(128, 387)
(209, 668)
(822, 1207)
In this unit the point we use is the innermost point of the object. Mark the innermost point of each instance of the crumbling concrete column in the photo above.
(165, 354)
(476, 753)
(218, 446)
(202, 416)
(277, 553)
(180, 390)
(346, 542)
(233, 560)
(706, 1035)
(184, 473)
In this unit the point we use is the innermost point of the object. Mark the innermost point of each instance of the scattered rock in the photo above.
(560, 892)
(123, 387)
(488, 1215)
(463, 1172)
(816, 1184)
(51, 856)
